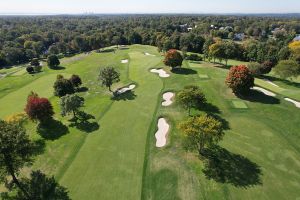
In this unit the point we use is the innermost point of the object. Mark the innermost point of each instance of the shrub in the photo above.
(37, 68)
(17, 118)
(287, 69)
(30, 69)
(38, 108)
(173, 58)
(266, 67)
(240, 79)
(35, 62)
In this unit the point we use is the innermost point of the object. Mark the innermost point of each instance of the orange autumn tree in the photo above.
(173, 58)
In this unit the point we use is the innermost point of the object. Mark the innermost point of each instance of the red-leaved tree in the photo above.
(38, 108)
(240, 79)
(173, 58)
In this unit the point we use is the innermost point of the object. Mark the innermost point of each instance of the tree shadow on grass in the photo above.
(184, 71)
(129, 95)
(58, 68)
(82, 89)
(210, 108)
(257, 96)
(52, 130)
(165, 185)
(83, 123)
(288, 82)
(226, 167)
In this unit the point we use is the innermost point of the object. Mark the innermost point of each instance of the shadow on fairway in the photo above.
(38, 147)
(129, 95)
(82, 122)
(183, 71)
(82, 89)
(257, 96)
(210, 108)
(58, 68)
(288, 82)
(52, 130)
(165, 183)
(226, 167)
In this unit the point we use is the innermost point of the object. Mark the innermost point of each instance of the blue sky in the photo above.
(149, 6)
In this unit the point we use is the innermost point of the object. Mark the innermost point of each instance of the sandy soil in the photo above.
(161, 134)
(162, 73)
(266, 92)
(297, 104)
(167, 98)
(148, 54)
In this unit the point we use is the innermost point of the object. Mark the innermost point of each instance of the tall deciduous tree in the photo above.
(287, 69)
(202, 131)
(173, 58)
(75, 80)
(53, 61)
(108, 76)
(71, 103)
(191, 97)
(15, 153)
(38, 108)
(240, 79)
(63, 86)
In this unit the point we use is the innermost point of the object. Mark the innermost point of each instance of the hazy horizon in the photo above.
(55, 7)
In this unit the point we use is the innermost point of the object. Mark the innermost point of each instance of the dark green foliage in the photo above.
(287, 69)
(71, 104)
(53, 61)
(30, 69)
(108, 76)
(63, 86)
(15, 152)
(193, 57)
(75, 80)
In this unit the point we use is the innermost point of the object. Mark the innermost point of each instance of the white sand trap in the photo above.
(124, 61)
(167, 98)
(270, 82)
(266, 92)
(148, 54)
(125, 89)
(160, 135)
(162, 73)
(297, 104)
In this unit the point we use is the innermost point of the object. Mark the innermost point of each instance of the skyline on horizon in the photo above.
(35, 7)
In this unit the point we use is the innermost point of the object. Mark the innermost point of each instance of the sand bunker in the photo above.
(162, 73)
(270, 82)
(124, 61)
(167, 98)
(125, 89)
(297, 104)
(148, 54)
(160, 135)
(266, 92)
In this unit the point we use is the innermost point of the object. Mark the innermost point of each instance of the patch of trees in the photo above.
(173, 59)
(108, 76)
(25, 38)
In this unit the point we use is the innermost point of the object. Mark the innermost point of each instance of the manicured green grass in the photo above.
(113, 156)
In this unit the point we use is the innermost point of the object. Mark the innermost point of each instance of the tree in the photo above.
(216, 51)
(295, 47)
(35, 62)
(108, 76)
(41, 187)
(266, 68)
(53, 61)
(173, 58)
(201, 132)
(240, 79)
(191, 97)
(287, 69)
(208, 42)
(30, 69)
(38, 108)
(71, 103)
(63, 86)
(75, 80)
(15, 153)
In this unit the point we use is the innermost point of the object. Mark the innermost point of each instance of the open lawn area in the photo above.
(113, 154)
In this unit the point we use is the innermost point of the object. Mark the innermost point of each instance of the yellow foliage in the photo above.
(295, 47)
(16, 118)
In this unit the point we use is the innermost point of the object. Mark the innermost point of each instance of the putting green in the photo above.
(239, 104)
